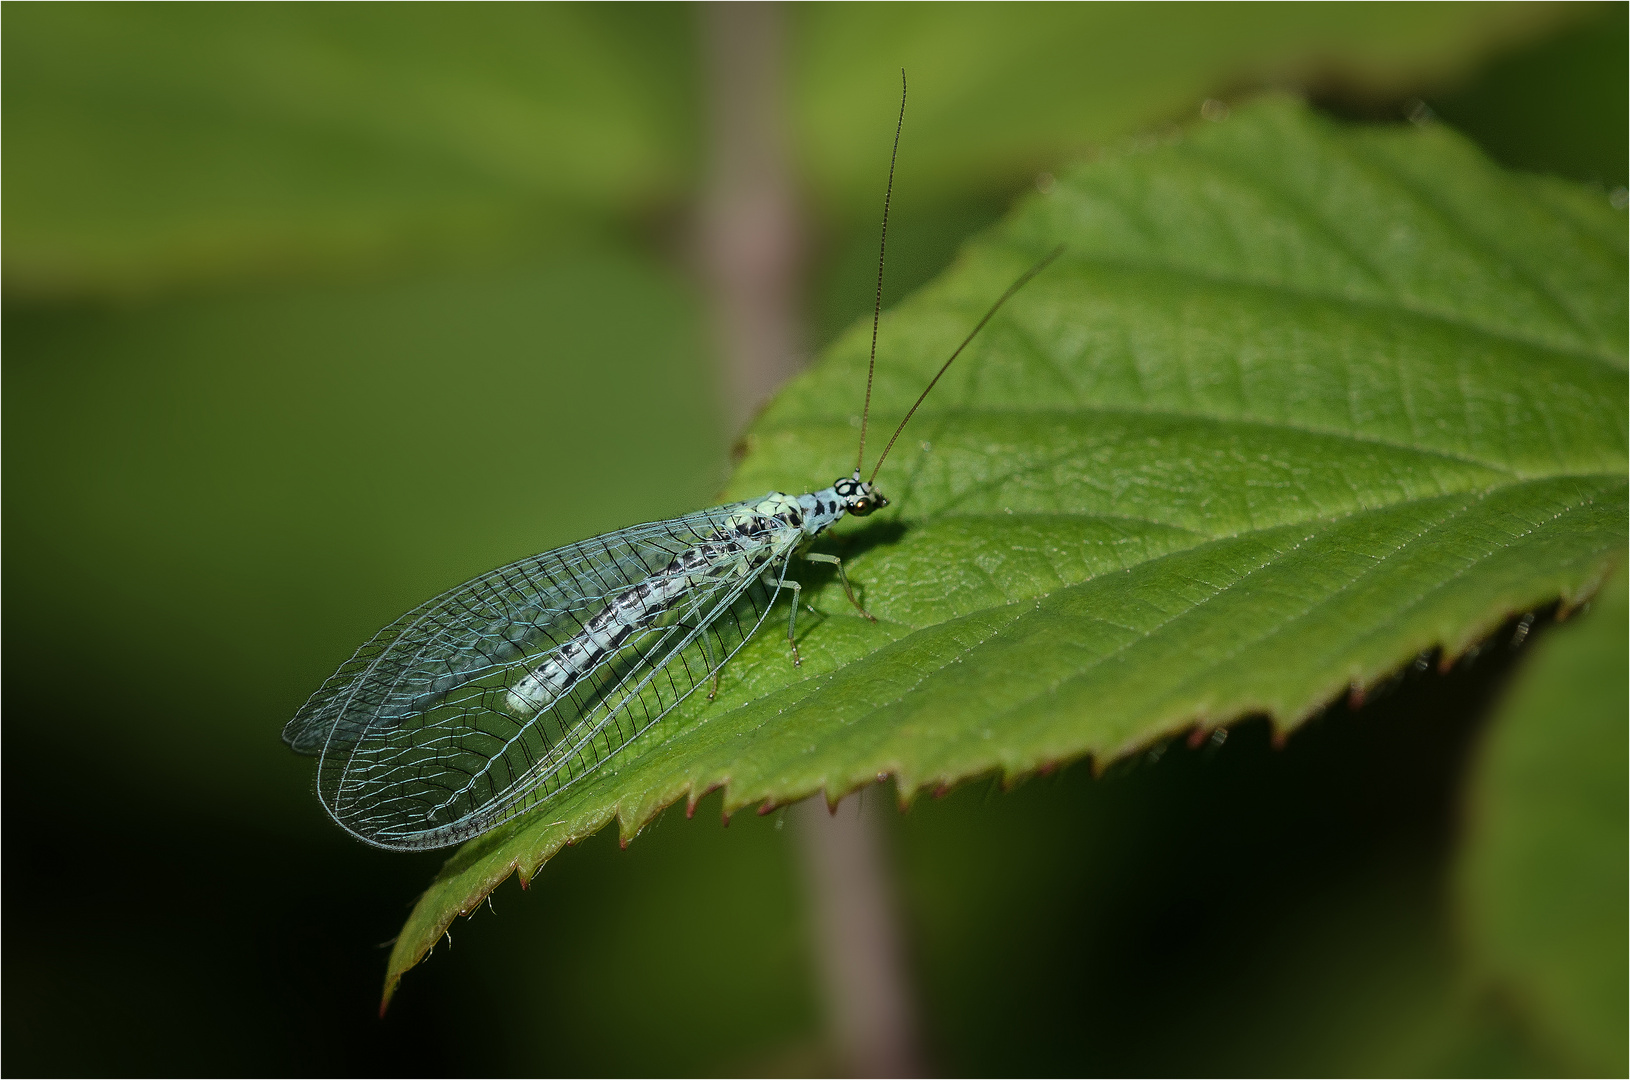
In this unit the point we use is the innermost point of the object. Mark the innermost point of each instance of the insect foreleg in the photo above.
(815, 556)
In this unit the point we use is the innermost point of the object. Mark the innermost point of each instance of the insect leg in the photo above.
(792, 623)
(815, 556)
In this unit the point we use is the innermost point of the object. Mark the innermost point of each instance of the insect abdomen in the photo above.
(739, 548)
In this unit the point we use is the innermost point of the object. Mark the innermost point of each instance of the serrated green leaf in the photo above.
(1542, 880)
(1300, 403)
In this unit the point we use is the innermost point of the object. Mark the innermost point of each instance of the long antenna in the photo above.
(1024, 279)
(882, 249)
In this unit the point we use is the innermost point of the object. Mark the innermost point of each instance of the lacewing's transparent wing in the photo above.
(419, 737)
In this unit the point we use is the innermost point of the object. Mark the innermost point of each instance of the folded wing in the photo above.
(419, 738)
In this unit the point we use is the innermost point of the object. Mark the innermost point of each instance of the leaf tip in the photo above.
(696, 794)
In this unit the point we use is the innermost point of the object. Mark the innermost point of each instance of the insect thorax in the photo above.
(810, 514)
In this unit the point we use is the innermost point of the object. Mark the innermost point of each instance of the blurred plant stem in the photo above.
(752, 245)
(751, 240)
(858, 947)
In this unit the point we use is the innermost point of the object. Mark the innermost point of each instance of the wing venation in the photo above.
(419, 737)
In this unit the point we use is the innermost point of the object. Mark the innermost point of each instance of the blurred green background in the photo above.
(313, 311)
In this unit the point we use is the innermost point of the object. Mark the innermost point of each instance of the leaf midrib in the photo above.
(1201, 541)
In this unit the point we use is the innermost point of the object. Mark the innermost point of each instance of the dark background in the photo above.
(310, 312)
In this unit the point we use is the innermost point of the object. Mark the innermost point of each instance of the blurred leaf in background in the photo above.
(1030, 86)
(1555, 108)
(311, 311)
(1542, 879)
(155, 145)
